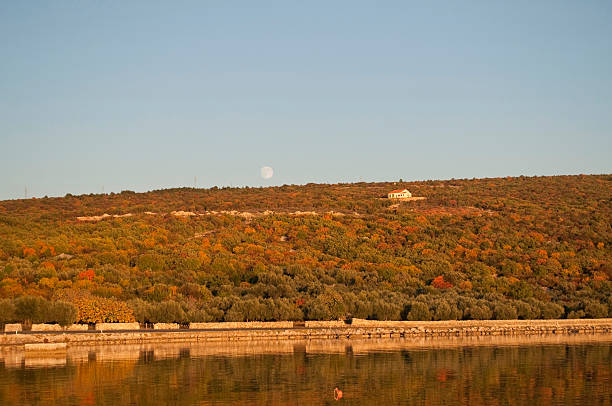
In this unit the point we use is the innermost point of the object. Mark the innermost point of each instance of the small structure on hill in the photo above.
(399, 194)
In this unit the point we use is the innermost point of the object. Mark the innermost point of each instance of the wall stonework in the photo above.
(326, 324)
(241, 325)
(117, 326)
(11, 328)
(377, 331)
(165, 326)
(46, 327)
(77, 327)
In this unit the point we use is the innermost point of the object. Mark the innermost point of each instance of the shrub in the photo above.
(244, 310)
(327, 306)
(504, 311)
(595, 310)
(417, 311)
(385, 310)
(478, 311)
(201, 315)
(444, 310)
(526, 311)
(551, 310)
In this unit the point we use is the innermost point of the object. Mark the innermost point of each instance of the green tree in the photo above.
(63, 313)
(417, 311)
(31, 309)
(7, 312)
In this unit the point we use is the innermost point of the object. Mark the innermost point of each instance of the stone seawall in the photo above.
(241, 325)
(402, 330)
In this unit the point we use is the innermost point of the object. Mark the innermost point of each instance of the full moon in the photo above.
(267, 172)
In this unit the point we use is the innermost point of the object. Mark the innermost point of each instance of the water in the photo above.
(483, 371)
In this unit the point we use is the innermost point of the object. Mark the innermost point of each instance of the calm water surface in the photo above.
(373, 373)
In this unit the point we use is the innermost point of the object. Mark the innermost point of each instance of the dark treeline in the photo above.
(501, 248)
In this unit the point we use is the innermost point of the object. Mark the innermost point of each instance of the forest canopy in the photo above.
(500, 248)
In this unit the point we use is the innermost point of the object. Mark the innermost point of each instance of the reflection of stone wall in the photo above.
(76, 352)
(44, 362)
(45, 347)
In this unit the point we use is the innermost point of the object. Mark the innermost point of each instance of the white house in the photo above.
(399, 194)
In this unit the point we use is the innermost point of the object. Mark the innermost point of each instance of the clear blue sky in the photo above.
(147, 95)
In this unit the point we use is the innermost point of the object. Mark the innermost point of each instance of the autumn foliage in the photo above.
(522, 247)
(94, 309)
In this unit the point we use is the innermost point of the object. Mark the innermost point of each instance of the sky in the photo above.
(141, 95)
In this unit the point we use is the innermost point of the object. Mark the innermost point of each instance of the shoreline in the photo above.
(360, 329)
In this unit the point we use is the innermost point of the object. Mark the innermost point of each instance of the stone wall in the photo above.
(117, 326)
(241, 325)
(11, 328)
(165, 326)
(445, 329)
(326, 324)
(46, 327)
(77, 327)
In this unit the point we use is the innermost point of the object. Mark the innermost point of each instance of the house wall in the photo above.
(399, 195)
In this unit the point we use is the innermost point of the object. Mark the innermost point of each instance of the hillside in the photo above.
(503, 248)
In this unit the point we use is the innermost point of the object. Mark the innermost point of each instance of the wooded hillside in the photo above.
(499, 248)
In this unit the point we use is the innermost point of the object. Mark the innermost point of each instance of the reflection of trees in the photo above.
(546, 374)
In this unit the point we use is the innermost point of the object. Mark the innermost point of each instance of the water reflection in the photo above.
(491, 371)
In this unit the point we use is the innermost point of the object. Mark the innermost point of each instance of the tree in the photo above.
(7, 311)
(327, 306)
(31, 309)
(63, 313)
(551, 310)
(167, 312)
(504, 311)
(417, 311)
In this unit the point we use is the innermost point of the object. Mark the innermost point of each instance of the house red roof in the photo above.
(399, 191)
